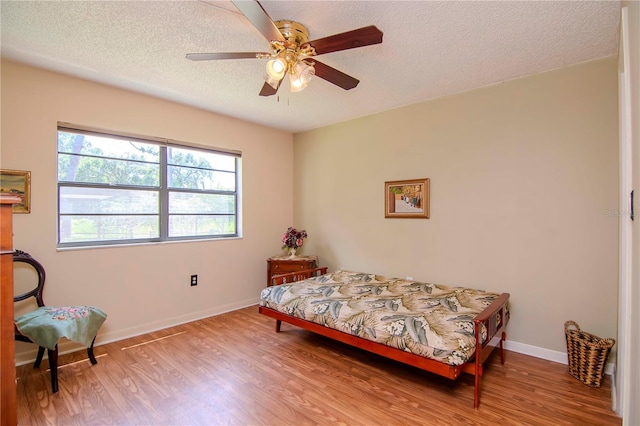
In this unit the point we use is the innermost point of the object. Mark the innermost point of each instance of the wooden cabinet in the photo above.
(8, 397)
(277, 265)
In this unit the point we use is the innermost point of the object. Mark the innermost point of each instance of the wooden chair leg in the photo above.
(39, 357)
(53, 367)
(278, 324)
(92, 357)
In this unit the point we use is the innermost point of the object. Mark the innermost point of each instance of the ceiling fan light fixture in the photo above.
(300, 77)
(273, 82)
(276, 68)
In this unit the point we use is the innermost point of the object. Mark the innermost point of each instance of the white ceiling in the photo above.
(430, 49)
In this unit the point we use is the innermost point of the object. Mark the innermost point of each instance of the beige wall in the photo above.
(142, 287)
(522, 177)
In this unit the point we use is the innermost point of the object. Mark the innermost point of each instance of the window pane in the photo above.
(108, 228)
(75, 200)
(104, 160)
(77, 168)
(185, 203)
(201, 225)
(99, 146)
(192, 178)
(200, 159)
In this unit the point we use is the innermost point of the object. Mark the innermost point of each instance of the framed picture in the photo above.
(407, 199)
(17, 183)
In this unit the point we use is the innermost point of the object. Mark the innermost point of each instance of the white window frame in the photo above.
(162, 189)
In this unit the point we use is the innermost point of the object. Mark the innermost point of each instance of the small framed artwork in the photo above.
(17, 183)
(407, 199)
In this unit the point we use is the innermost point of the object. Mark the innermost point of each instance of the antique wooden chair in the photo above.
(47, 324)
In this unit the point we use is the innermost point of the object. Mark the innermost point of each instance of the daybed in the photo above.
(444, 330)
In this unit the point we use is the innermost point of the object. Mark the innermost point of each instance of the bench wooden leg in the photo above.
(278, 324)
(476, 392)
(504, 337)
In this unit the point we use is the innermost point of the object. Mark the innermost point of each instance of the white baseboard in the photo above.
(548, 354)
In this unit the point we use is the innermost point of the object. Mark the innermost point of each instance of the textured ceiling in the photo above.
(430, 49)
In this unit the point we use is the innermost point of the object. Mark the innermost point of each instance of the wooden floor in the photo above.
(233, 369)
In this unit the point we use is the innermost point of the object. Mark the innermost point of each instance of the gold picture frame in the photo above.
(407, 199)
(17, 183)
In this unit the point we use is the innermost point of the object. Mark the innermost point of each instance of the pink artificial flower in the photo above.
(293, 238)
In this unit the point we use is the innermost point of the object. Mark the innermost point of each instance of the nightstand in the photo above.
(277, 265)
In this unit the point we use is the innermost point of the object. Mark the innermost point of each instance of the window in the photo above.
(115, 190)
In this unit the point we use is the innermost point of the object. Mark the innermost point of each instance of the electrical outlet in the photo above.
(409, 278)
(194, 280)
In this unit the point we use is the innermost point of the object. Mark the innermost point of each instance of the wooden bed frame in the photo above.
(496, 335)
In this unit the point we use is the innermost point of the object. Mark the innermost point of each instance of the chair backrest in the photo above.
(21, 256)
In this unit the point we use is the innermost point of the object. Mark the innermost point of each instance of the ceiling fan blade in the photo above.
(268, 90)
(225, 55)
(350, 40)
(334, 76)
(259, 18)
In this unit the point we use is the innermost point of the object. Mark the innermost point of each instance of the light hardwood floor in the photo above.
(234, 369)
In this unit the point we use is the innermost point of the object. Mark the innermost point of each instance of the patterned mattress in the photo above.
(430, 320)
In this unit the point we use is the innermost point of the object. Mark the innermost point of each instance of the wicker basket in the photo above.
(587, 354)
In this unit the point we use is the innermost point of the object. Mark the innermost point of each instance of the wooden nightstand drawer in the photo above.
(278, 265)
(283, 268)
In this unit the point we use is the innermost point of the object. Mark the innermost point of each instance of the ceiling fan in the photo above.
(291, 50)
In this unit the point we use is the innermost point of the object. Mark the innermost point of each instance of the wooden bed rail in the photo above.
(298, 275)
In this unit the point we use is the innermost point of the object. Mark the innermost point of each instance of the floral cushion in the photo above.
(48, 324)
(430, 320)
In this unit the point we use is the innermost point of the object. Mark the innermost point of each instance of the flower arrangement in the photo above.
(293, 238)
